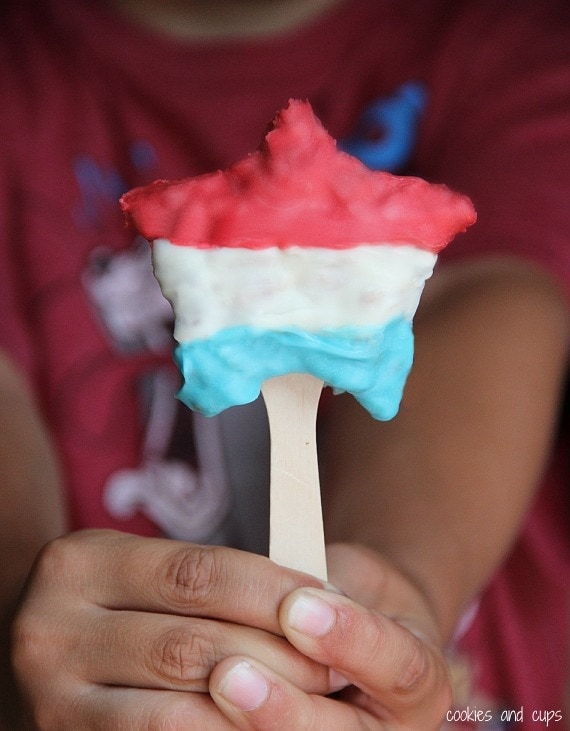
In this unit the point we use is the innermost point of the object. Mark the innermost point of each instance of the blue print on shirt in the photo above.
(386, 132)
(102, 186)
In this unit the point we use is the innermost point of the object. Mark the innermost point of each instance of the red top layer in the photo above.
(298, 189)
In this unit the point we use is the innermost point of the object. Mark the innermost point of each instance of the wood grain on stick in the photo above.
(296, 536)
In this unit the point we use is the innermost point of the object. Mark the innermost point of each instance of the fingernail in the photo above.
(244, 687)
(311, 616)
(333, 588)
(337, 681)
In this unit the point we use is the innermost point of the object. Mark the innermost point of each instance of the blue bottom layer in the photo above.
(227, 369)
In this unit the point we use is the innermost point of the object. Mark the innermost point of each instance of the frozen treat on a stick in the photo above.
(298, 259)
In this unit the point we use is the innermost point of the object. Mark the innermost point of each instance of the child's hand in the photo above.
(122, 632)
(388, 653)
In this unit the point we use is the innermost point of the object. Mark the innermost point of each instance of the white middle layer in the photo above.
(308, 288)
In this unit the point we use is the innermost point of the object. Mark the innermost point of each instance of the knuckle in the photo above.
(40, 633)
(36, 653)
(176, 719)
(24, 634)
(57, 559)
(416, 670)
(374, 640)
(50, 717)
(36, 657)
(189, 576)
(308, 717)
(312, 720)
(182, 656)
(64, 559)
(424, 684)
(33, 644)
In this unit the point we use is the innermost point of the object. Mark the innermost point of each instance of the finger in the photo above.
(163, 651)
(128, 709)
(121, 571)
(372, 581)
(255, 698)
(397, 671)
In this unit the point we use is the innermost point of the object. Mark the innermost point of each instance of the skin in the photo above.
(121, 632)
(163, 615)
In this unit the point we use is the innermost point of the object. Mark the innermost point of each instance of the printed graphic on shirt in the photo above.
(183, 491)
(385, 135)
(127, 298)
(185, 495)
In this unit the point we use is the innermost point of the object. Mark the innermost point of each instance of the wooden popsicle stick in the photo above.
(296, 536)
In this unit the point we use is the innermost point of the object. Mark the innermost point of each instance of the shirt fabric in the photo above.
(472, 94)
